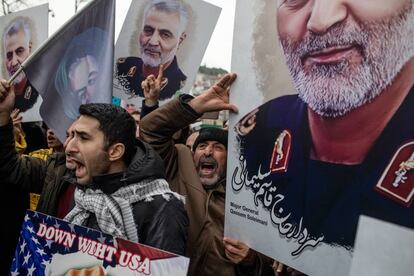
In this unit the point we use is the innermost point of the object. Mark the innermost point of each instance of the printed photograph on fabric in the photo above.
(22, 33)
(310, 158)
(79, 69)
(174, 33)
(77, 78)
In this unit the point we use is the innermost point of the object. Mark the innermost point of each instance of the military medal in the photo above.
(397, 181)
(281, 152)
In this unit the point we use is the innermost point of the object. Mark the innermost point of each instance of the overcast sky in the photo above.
(218, 52)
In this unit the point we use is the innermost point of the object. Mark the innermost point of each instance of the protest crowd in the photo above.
(151, 175)
(172, 173)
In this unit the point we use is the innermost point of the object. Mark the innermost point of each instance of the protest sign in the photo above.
(50, 246)
(174, 33)
(21, 34)
(311, 148)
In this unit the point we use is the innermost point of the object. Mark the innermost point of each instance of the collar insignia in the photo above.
(397, 181)
(28, 92)
(131, 71)
(281, 152)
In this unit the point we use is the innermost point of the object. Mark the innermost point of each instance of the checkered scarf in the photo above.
(114, 212)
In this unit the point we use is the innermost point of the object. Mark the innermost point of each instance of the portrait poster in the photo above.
(283, 197)
(174, 33)
(76, 65)
(51, 246)
(21, 34)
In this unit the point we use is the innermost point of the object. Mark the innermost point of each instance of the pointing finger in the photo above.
(160, 73)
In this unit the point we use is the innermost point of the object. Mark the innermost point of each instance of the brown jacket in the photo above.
(205, 208)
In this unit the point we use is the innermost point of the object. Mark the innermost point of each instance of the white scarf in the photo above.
(114, 212)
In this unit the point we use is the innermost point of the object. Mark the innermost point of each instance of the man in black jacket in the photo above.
(105, 168)
(121, 181)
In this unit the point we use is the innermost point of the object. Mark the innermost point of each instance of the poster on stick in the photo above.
(22, 33)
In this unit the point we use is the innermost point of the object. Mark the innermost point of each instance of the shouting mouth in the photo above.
(208, 169)
(80, 169)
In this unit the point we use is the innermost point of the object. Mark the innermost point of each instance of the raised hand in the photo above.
(152, 87)
(216, 98)
(7, 98)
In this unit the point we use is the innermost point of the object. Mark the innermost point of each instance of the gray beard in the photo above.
(213, 181)
(151, 62)
(334, 90)
(155, 62)
(209, 182)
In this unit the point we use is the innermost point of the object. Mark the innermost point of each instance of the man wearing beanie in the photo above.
(211, 134)
(201, 178)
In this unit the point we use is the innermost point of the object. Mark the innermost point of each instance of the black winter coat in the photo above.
(161, 223)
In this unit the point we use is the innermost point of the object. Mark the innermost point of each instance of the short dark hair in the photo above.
(116, 124)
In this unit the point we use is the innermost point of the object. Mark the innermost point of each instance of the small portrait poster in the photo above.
(21, 34)
(174, 33)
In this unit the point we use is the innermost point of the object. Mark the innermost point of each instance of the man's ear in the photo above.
(182, 37)
(116, 152)
(30, 46)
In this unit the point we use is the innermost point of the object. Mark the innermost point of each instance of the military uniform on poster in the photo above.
(326, 198)
(130, 76)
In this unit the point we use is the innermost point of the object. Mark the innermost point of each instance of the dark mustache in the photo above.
(207, 159)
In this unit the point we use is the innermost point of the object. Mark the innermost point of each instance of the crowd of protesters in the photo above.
(107, 166)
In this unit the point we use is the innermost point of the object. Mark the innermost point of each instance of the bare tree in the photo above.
(10, 6)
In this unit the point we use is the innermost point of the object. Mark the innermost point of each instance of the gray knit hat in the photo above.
(211, 134)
